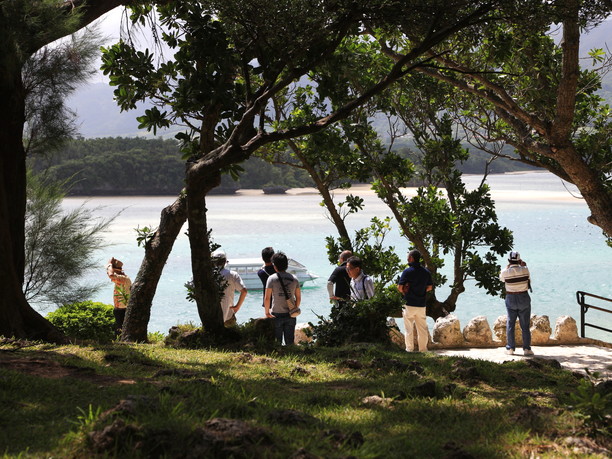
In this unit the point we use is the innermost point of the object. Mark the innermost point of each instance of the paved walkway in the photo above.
(575, 358)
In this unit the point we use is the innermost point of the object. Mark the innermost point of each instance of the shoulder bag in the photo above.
(293, 310)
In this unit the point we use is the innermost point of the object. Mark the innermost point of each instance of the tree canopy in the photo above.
(226, 61)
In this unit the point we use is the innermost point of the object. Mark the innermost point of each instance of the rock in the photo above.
(300, 371)
(303, 334)
(264, 327)
(222, 437)
(478, 332)
(397, 338)
(566, 330)
(499, 329)
(377, 400)
(115, 436)
(190, 339)
(416, 367)
(447, 332)
(540, 363)
(465, 370)
(426, 389)
(540, 330)
(130, 406)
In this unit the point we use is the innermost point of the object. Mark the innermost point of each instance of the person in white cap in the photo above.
(234, 284)
(517, 280)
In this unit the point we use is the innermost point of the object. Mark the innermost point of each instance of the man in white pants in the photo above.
(414, 284)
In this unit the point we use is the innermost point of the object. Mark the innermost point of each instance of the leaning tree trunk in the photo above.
(334, 215)
(327, 198)
(157, 250)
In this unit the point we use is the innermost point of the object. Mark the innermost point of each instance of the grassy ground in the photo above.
(361, 401)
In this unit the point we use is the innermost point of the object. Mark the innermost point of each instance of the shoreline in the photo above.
(529, 192)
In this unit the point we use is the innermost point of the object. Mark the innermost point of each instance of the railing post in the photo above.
(582, 316)
(584, 308)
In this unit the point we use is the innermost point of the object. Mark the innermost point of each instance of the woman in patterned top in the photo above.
(121, 293)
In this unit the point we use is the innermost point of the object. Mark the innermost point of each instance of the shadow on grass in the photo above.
(317, 392)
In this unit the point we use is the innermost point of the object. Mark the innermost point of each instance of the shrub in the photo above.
(86, 320)
(593, 403)
(155, 337)
(359, 322)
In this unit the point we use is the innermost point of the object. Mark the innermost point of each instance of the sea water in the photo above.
(563, 251)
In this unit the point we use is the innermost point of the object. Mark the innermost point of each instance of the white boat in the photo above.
(248, 267)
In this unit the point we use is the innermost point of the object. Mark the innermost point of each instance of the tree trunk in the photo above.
(436, 308)
(17, 318)
(144, 287)
(334, 215)
(594, 191)
(206, 291)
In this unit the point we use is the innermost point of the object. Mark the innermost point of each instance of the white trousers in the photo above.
(415, 316)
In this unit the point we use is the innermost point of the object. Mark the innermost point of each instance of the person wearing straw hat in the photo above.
(121, 292)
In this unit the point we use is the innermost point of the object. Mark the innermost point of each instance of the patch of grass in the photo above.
(147, 400)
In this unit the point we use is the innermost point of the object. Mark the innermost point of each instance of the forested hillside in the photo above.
(139, 166)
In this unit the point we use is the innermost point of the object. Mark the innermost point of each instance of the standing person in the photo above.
(121, 292)
(233, 283)
(414, 283)
(266, 270)
(362, 286)
(517, 281)
(280, 287)
(341, 280)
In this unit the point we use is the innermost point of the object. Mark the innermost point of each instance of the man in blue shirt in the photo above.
(414, 284)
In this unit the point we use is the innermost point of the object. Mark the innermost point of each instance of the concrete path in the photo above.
(575, 358)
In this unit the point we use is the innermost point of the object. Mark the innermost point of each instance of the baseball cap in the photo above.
(514, 256)
(219, 254)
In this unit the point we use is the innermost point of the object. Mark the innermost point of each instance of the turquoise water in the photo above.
(563, 251)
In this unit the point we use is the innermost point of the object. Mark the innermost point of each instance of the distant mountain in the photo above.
(99, 115)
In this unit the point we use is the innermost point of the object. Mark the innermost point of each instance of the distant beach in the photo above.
(559, 194)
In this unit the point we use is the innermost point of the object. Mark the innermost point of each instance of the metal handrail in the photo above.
(584, 307)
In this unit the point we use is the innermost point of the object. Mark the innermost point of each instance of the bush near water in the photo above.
(85, 321)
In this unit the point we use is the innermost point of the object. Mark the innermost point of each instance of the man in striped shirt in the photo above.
(518, 302)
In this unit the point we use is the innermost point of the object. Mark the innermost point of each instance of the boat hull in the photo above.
(247, 268)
